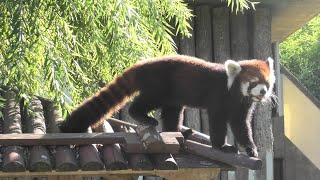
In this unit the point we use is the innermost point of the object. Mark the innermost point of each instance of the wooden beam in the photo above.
(229, 158)
(104, 173)
(131, 141)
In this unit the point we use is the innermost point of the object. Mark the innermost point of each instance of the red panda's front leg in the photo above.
(241, 126)
(218, 130)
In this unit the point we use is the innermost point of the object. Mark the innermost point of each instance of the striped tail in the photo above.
(104, 103)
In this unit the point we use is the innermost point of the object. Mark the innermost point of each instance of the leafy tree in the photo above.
(300, 53)
(62, 49)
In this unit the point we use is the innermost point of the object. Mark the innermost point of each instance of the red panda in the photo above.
(228, 92)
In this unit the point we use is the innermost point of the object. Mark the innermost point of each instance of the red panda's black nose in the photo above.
(263, 92)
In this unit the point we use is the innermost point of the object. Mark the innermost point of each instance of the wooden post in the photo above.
(89, 157)
(13, 156)
(261, 48)
(239, 36)
(221, 37)
(203, 35)
(111, 153)
(64, 156)
(187, 47)
(239, 51)
(39, 155)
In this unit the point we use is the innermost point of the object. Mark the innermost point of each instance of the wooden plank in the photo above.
(203, 36)
(262, 121)
(229, 158)
(221, 34)
(187, 46)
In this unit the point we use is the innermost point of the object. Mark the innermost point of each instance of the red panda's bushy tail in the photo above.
(103, 104)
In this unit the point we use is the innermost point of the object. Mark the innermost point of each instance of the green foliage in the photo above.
(240, 5)
(62, 49)
(300, 53)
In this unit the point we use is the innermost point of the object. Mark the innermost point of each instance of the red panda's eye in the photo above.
(253, 84)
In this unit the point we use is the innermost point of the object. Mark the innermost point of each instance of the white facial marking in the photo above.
(256, 91)
(233, 68)
(244, 88)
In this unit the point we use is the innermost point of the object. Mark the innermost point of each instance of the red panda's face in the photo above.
(256, 78)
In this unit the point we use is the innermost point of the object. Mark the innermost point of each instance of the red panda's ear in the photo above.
(270, 62)
(233, 68)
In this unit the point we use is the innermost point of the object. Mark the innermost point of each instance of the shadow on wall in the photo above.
(296, 165)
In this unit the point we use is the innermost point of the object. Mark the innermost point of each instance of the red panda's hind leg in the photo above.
(139, 109)
(172, 118)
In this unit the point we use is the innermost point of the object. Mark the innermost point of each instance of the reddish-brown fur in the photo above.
(170, 83)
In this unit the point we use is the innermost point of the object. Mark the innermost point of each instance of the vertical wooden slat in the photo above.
(187, 47)
(239, 51)
(221, 34)
(261, 48)
(203, 35)
(221, 51)
(239, 36)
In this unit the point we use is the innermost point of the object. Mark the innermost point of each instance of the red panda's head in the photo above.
(256, 77)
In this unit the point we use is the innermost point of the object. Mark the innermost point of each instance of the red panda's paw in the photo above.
(228, 148)
(252, 152)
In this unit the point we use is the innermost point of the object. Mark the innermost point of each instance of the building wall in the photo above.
(301, 121)
(296, 137)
